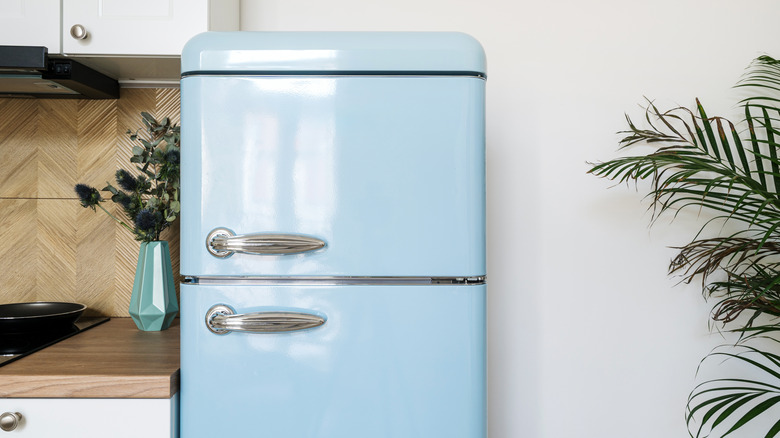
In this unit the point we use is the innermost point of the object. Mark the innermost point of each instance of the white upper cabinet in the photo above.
(129, 40)
(140, 27)
(112, 27)
(30, 23)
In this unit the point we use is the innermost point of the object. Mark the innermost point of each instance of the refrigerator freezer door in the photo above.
(387, 171)
(389, 362)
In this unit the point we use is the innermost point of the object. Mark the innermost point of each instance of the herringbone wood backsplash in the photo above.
(52, 249)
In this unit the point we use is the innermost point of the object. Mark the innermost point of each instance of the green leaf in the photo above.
(708, 129)
(148, 119)
(774, 430)
(733, 406)
(753, 413)
(110, 188)
(767, 122)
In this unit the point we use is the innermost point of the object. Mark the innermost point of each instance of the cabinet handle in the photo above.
(10, 421)
(79, 32)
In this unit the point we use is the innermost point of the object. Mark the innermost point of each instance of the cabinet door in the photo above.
(94, 418)
(139, 27)
(30, 23)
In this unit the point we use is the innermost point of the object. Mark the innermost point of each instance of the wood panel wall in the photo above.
(51, 248)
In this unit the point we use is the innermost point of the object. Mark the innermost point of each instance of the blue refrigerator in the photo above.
(333, 235)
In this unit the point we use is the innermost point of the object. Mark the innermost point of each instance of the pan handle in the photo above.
(222, 319)
(222, 242)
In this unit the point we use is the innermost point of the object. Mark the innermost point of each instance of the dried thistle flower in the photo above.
(126, 181)
(150, 198)
(89, 196)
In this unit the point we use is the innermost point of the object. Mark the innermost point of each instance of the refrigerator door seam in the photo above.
(340, 73)
(335, 281)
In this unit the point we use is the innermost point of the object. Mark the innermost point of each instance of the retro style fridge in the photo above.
(333, 235)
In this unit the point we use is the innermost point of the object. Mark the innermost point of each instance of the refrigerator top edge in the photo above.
(334, 52)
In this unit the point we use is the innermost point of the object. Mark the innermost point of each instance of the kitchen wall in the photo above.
(52, 248)
(588, 338)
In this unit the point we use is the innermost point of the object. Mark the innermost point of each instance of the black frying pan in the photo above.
(38, 317)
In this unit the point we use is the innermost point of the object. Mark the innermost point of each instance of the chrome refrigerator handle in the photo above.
(222, 242)
(222, 319)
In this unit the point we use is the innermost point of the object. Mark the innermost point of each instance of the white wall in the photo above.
(588, 338)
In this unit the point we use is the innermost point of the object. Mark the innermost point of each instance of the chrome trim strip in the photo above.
(335, 73)
(334, 281)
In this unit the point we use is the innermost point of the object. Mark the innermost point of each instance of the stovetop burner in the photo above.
(14, 346)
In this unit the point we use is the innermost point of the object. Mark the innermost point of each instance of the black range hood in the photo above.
(27, 71)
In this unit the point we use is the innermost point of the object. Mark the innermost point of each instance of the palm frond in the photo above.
(703, 257)
(703, 163)
(723, 406)
(701, 170)
(756, 289)
(731, 172)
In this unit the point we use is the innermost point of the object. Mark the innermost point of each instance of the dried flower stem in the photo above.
(115, 218)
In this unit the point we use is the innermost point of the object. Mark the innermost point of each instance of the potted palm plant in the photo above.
(149, 199)
(733, 171)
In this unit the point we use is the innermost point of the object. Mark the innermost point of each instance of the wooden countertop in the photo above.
(112, 360)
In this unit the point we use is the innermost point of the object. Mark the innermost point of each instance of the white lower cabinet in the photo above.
(93, 418)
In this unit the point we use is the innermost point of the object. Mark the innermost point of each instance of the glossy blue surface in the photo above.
(333, 51)
(388, 171)
(390, 362)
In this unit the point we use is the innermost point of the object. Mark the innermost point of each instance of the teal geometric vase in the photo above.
(153, 303)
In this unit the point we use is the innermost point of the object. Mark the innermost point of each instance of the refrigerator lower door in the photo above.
(386, 361)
